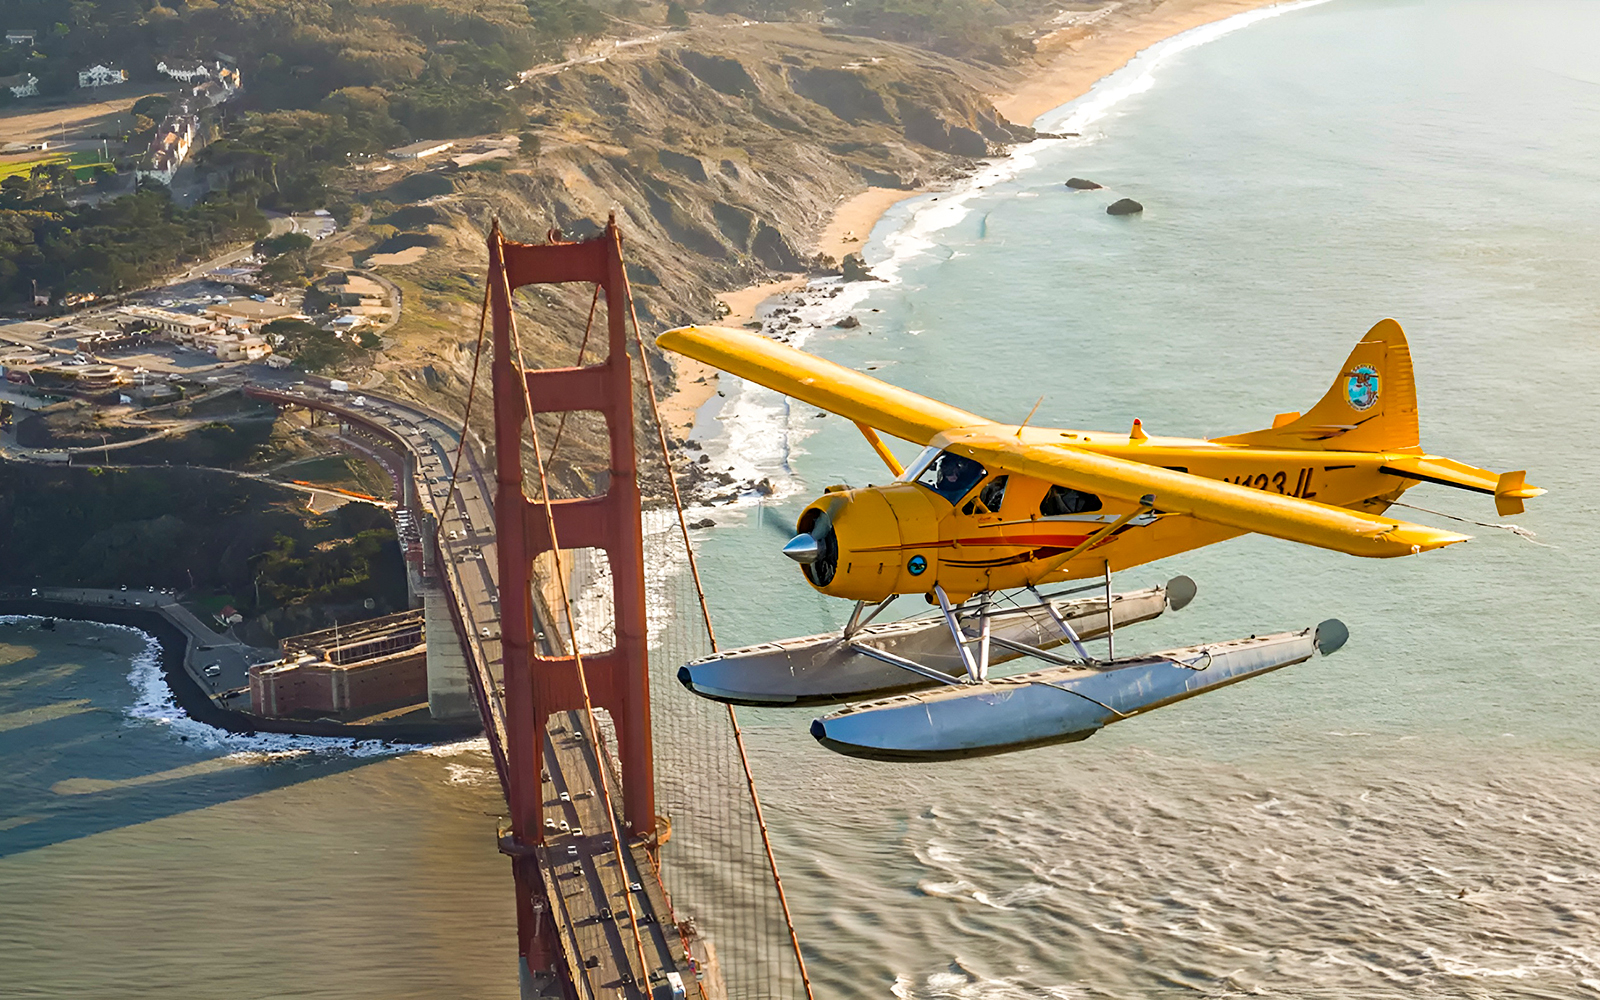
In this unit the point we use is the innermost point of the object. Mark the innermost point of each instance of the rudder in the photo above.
(1371, 406)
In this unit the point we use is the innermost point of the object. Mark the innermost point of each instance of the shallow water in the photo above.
(1414, 816)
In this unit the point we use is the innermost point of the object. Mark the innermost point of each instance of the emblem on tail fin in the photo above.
(1361, 389)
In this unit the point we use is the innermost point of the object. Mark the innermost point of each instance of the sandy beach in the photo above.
(1069, 61)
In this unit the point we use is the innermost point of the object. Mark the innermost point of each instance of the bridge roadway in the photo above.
(583, 881)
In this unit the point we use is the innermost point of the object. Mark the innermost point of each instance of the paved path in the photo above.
(206, 646)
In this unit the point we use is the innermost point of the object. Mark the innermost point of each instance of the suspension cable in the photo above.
(577, 659)
(466, 423)
(711, 635)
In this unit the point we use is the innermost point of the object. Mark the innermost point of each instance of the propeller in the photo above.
(772, 519)
(806, 547)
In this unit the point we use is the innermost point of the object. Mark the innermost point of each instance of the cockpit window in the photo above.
(1063, 500)
(920, 464)
(989, 498)
(951, 475)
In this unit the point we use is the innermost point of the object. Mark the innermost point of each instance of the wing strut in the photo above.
(882, 449)
(1062, 624)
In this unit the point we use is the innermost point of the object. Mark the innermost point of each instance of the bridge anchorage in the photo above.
(571, 724)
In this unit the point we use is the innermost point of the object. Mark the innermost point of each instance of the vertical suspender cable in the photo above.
(577, 659)
(711, 635)
(466, 422)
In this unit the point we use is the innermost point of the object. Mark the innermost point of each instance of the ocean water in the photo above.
(145, 855)
(1416, 816)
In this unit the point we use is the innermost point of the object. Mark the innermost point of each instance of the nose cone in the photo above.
(803, 549)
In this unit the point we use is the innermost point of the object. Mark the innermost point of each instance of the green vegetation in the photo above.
(298, 570)
(333, 83)
(81, 165)
(121, 243)
(188, 528)
(275, 246)
(315, 349)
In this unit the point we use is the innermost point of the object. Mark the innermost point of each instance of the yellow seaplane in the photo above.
(990, 508)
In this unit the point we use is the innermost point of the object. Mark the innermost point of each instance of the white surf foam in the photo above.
(763, 431)
(154, 704)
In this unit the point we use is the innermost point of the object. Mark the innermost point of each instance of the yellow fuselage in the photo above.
(905, 537)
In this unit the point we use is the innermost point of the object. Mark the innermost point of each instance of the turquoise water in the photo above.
(1415, 815)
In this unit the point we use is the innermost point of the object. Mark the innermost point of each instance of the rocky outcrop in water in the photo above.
(856, 269)
(1080, 184)
(1124, 206)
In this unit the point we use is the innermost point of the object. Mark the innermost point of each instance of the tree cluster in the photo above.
(184, 527)
(117, 245)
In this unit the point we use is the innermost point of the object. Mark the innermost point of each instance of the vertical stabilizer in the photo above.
(1371, 406)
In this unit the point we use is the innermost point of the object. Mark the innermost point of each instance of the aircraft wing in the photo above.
(821, 383)
(1305, 521)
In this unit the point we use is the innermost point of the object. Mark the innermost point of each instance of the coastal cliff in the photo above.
(720, 151)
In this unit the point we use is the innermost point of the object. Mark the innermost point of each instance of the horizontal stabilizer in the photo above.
(1509, 490)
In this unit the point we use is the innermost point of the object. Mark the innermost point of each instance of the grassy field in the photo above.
(31, 120)
(82, 163)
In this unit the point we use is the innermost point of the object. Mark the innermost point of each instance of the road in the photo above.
(466, 523)
(207, 648)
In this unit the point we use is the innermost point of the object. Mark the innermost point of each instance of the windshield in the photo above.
(951, 476)
(919, 464)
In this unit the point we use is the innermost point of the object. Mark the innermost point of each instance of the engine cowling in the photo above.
(875, 541)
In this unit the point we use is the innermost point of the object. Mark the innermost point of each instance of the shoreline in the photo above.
(188, 695)
(1069, 62)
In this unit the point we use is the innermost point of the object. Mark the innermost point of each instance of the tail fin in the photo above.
(1372, 405)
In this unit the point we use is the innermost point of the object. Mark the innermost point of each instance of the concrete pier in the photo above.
(449, 687)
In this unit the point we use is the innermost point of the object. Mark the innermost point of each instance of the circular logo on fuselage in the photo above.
(917, 565)
(1361, 389)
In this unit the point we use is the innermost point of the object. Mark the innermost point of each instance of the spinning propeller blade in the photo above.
(773, 519)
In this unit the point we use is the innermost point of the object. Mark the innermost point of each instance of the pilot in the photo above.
(955, 475)
(950, 475)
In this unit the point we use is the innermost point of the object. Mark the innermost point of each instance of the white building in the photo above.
(170, 147)
(194, 71)
(181, 326)
(21, 36)
(187, 70)
(420, 150)
(22, 85)
(102, 75)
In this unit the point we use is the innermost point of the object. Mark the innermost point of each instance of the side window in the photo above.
(992, 495)
(1064, 500)
(951, 476)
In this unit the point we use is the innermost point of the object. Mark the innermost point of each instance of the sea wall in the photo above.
(190, 697)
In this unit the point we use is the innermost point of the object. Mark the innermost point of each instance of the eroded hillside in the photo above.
(719, 150)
